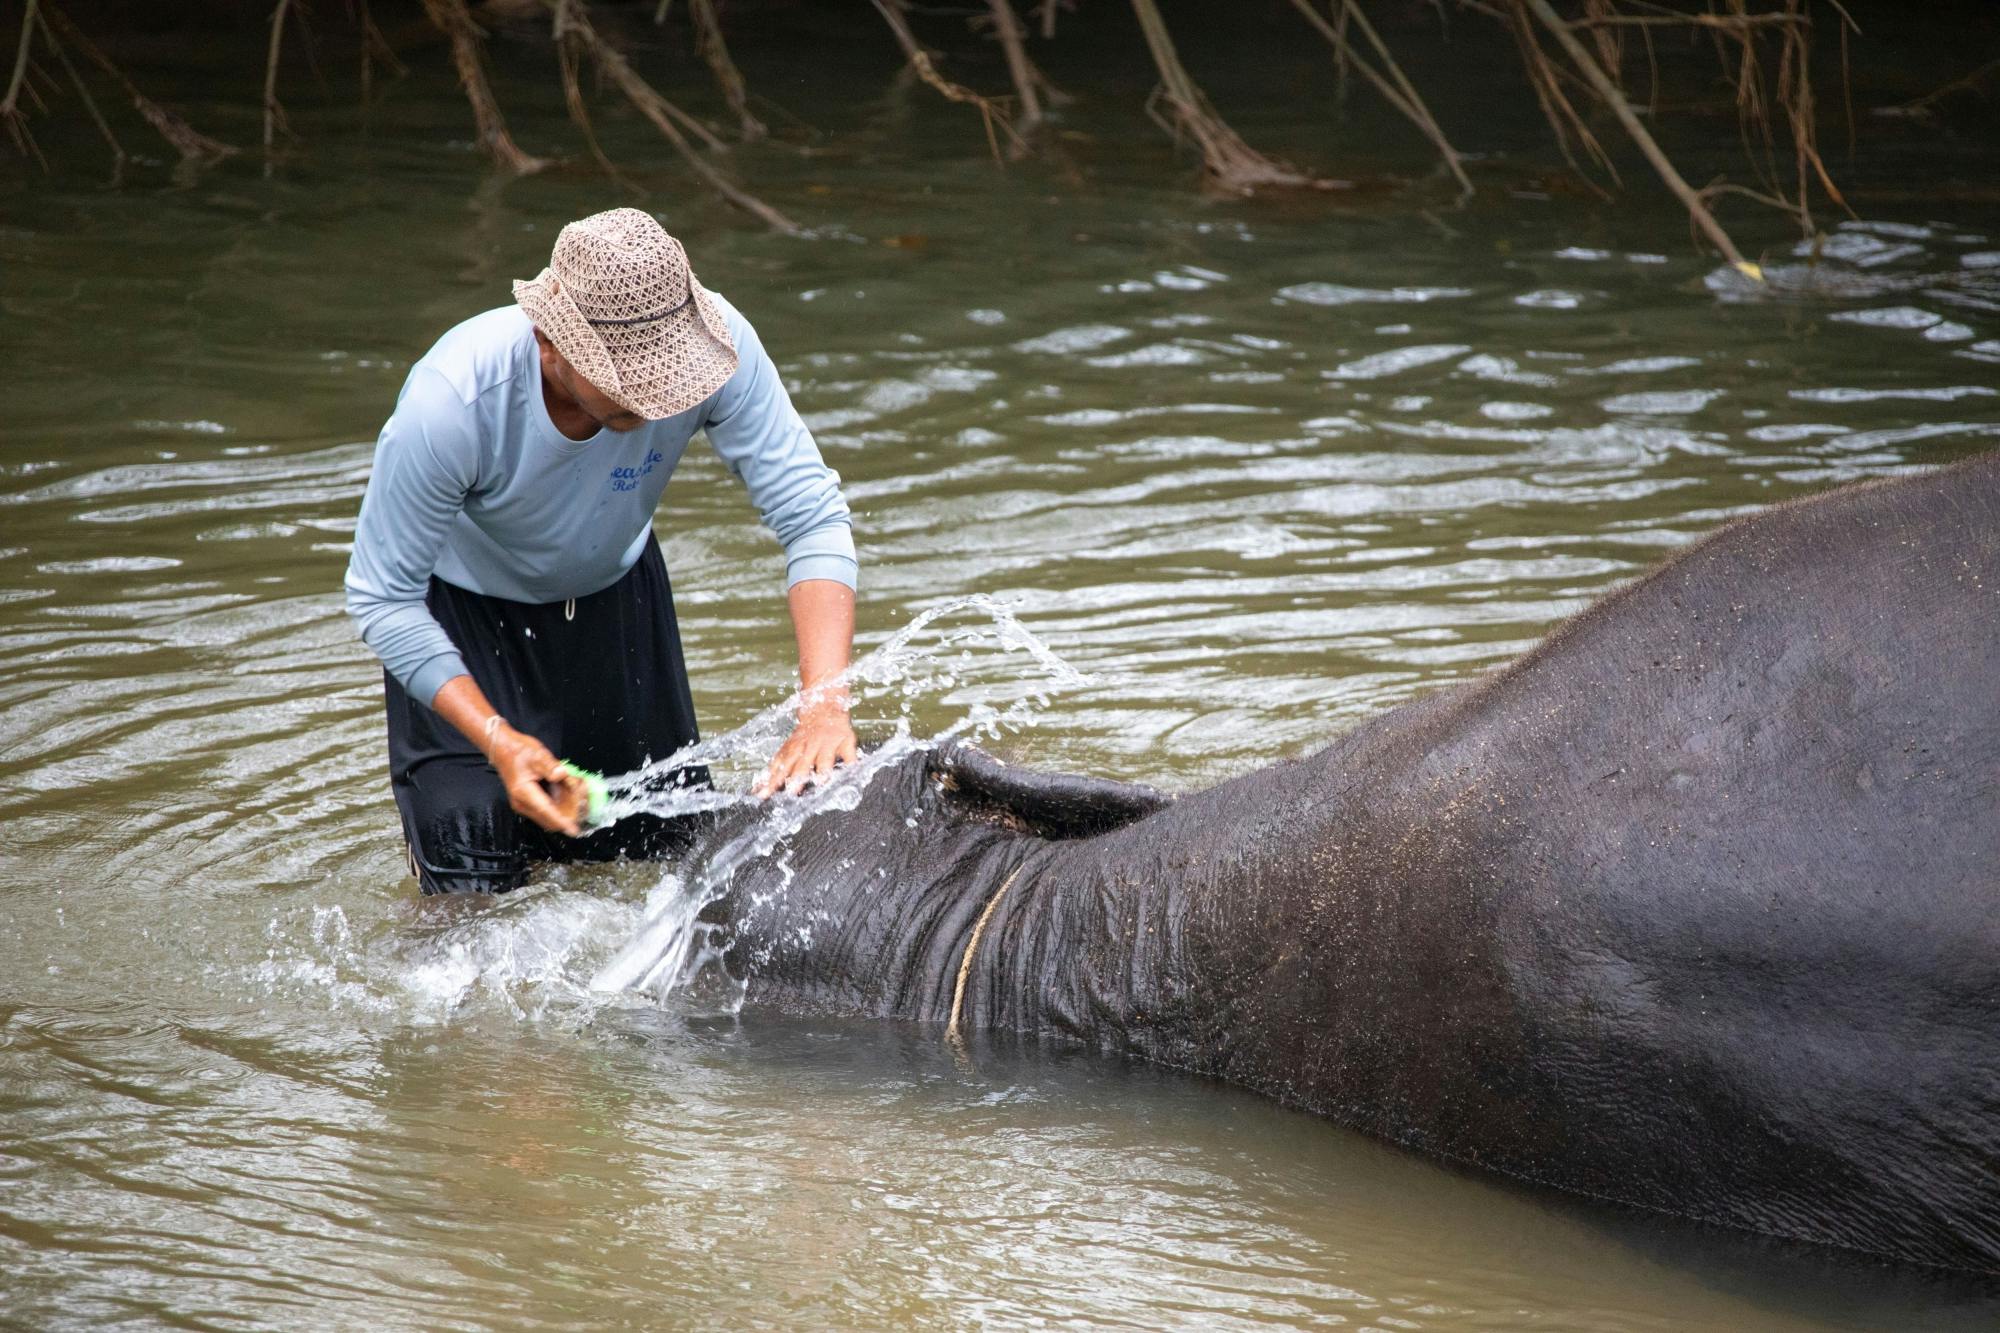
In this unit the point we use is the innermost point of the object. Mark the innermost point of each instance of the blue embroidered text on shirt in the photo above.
(627, 478)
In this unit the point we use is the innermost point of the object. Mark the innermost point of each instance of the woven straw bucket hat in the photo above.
(620, 303)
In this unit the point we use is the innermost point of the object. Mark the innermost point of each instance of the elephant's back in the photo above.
(1800, 715)
(1792, 728)
(1745, 822)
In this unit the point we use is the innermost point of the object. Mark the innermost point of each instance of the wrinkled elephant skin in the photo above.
(1694, 907)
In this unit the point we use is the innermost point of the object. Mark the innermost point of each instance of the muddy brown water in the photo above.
(1260, 470)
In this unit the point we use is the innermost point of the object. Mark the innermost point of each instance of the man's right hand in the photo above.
(536, 786)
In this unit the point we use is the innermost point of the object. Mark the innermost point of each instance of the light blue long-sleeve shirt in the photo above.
(474, 483)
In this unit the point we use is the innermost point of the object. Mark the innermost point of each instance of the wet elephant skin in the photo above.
(1695, 907)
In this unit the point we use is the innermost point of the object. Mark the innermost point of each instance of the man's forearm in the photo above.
(823, 618)
(462, 703)
(823, 621)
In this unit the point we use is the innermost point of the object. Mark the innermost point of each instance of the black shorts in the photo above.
(599, 680)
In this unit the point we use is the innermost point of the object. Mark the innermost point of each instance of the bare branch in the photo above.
(1610, 42)
(451, 18)
(567, 61)
(1027, 79)
(991, 113)
(1556, 107)
(1229, 162)
(192, 146)
(10, 105)
(11, 101)
(1393, 86)
(1608, 92)
(575, 33)
(1717, 188)
(1728, 22)
(1922, 105)
(118, 153)
(375, 47)
(274, 114)
(708, 38)
(567, 18)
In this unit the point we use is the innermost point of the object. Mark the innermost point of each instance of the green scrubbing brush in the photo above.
(597, 793)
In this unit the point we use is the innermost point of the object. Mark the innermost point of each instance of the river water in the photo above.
(1256, 470)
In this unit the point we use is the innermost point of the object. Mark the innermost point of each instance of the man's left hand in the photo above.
(821, 740)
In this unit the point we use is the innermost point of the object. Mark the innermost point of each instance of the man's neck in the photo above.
(568, 414)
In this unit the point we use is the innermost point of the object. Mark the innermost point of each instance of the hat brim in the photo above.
(656, 371)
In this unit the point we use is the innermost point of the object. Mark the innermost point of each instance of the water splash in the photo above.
(674, 952)
(899, 672)
(546, 952)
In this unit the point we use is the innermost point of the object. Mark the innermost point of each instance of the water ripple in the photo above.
(1259, 478)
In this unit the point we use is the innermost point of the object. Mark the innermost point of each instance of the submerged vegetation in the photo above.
(1599, 71)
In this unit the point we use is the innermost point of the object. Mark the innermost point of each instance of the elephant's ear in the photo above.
(1048, 805)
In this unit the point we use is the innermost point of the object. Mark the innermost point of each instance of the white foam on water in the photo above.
(527, 954)
(326, 964)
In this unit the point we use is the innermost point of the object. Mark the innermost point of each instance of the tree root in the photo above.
(191, 145)
(274, 112)
(1028, 81)
(1546, 78)
(451, 18)
(10, 104)
(1921, 108)
(991, 113)
(576, 36)
(587, 36)
(568, 58)
(1389, 81)
(118, 153)
(375, 48)
(1607, 92)
(1574, 65)
(708, 39)
(1737, 35)
(1228, 162)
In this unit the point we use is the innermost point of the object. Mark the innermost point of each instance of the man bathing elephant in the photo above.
(1696, 907)
(506, 572)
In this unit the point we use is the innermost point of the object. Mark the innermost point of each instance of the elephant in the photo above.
(1694, 907)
